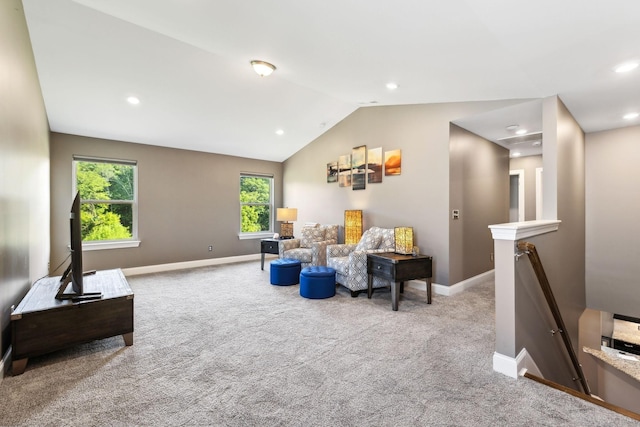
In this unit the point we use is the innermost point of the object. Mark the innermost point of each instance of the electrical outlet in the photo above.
(210, 248)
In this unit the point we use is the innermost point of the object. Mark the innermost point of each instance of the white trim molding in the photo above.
(134, 271)
(519, 230)
(455, 288)
(515, 367)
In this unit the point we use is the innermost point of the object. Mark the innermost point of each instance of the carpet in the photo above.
(220, 346)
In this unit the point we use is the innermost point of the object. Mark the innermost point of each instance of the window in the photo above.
(108, 199)
(256, 196)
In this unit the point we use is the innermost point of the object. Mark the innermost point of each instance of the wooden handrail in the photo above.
(530, 250)
(596, 401)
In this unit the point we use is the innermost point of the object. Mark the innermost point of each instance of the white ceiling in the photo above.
(188, 62)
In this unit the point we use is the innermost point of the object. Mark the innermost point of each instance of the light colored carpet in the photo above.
(220, 346)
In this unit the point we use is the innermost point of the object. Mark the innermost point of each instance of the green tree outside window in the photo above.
(255, 203)
(107, 197)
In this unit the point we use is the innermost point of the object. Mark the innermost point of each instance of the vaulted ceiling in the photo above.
(188, 63)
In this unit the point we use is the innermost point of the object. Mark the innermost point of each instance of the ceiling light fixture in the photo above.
(133, 100)
(512, 127)
(392, 86)
(279, 132)
(516, 154)
(521, 132)
(631, 116)
(626, 67)
(263, 68)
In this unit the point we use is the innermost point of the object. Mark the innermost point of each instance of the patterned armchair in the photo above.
(350, 261)
(311, 247)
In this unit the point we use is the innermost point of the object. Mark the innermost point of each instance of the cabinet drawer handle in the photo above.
(379, 267)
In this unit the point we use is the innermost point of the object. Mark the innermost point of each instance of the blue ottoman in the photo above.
(285, 271)
(317, 282)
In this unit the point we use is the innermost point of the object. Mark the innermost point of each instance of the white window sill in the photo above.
(98, 246)
(263, 235)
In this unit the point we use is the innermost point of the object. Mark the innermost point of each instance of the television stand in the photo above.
(64, 282)
(42, 324)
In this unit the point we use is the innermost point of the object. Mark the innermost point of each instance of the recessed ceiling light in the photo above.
(521, 132)
(279, 132)
(631, 116)
(512, 127)
(133, 100)
(626, 67)
(392, 86)
(516, 154)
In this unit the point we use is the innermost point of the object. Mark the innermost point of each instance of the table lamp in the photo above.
(285, 215)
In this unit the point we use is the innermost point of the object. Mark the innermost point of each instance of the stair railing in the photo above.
(530, 250)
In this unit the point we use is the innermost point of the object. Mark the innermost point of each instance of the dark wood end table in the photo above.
(268, 246)
(398, 269)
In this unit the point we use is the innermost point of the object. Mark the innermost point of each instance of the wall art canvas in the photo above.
(374, 165)
(392, 162)
(344, 170)
(332, 172)
(359, 168)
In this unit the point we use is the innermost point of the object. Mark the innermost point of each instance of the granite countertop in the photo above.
(613, 357)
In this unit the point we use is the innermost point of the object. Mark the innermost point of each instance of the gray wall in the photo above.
(479, 180)
(187, 201)
(612, 202)
(24, 167)
(529, 165)
(561, 253)
(418, 198)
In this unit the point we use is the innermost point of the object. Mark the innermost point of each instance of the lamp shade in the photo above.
(352, 226)
(286, 214)
(404, 240)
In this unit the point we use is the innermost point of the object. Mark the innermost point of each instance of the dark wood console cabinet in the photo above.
(42, 324)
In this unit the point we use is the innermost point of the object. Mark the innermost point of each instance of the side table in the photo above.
(398, 269)
(268, 246)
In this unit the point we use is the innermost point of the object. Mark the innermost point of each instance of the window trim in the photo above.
(257, 234)
(134, 241)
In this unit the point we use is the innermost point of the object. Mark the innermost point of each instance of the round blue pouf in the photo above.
(284, 271)
(317, 282)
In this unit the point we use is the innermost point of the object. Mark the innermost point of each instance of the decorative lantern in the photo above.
(352, 226)
(404, 240)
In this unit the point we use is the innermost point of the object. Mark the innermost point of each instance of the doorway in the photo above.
(516, 195)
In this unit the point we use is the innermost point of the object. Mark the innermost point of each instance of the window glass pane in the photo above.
(255, 189)
(255, 203)
(104, 181)
(105, 221)
(255, 218)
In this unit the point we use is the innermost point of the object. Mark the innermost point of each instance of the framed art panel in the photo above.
(392, 162)
(359, 168)
(374, 165)
(332, 172)
(344, 170)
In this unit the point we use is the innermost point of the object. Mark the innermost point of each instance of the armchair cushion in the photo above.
(368, 241)
(311, 235)
(350, 261)
(316, 252)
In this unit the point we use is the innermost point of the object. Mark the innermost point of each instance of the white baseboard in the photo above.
(455, 288)
(134, 271)
(515, 367)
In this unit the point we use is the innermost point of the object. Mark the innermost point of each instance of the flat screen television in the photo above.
(74, 272)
